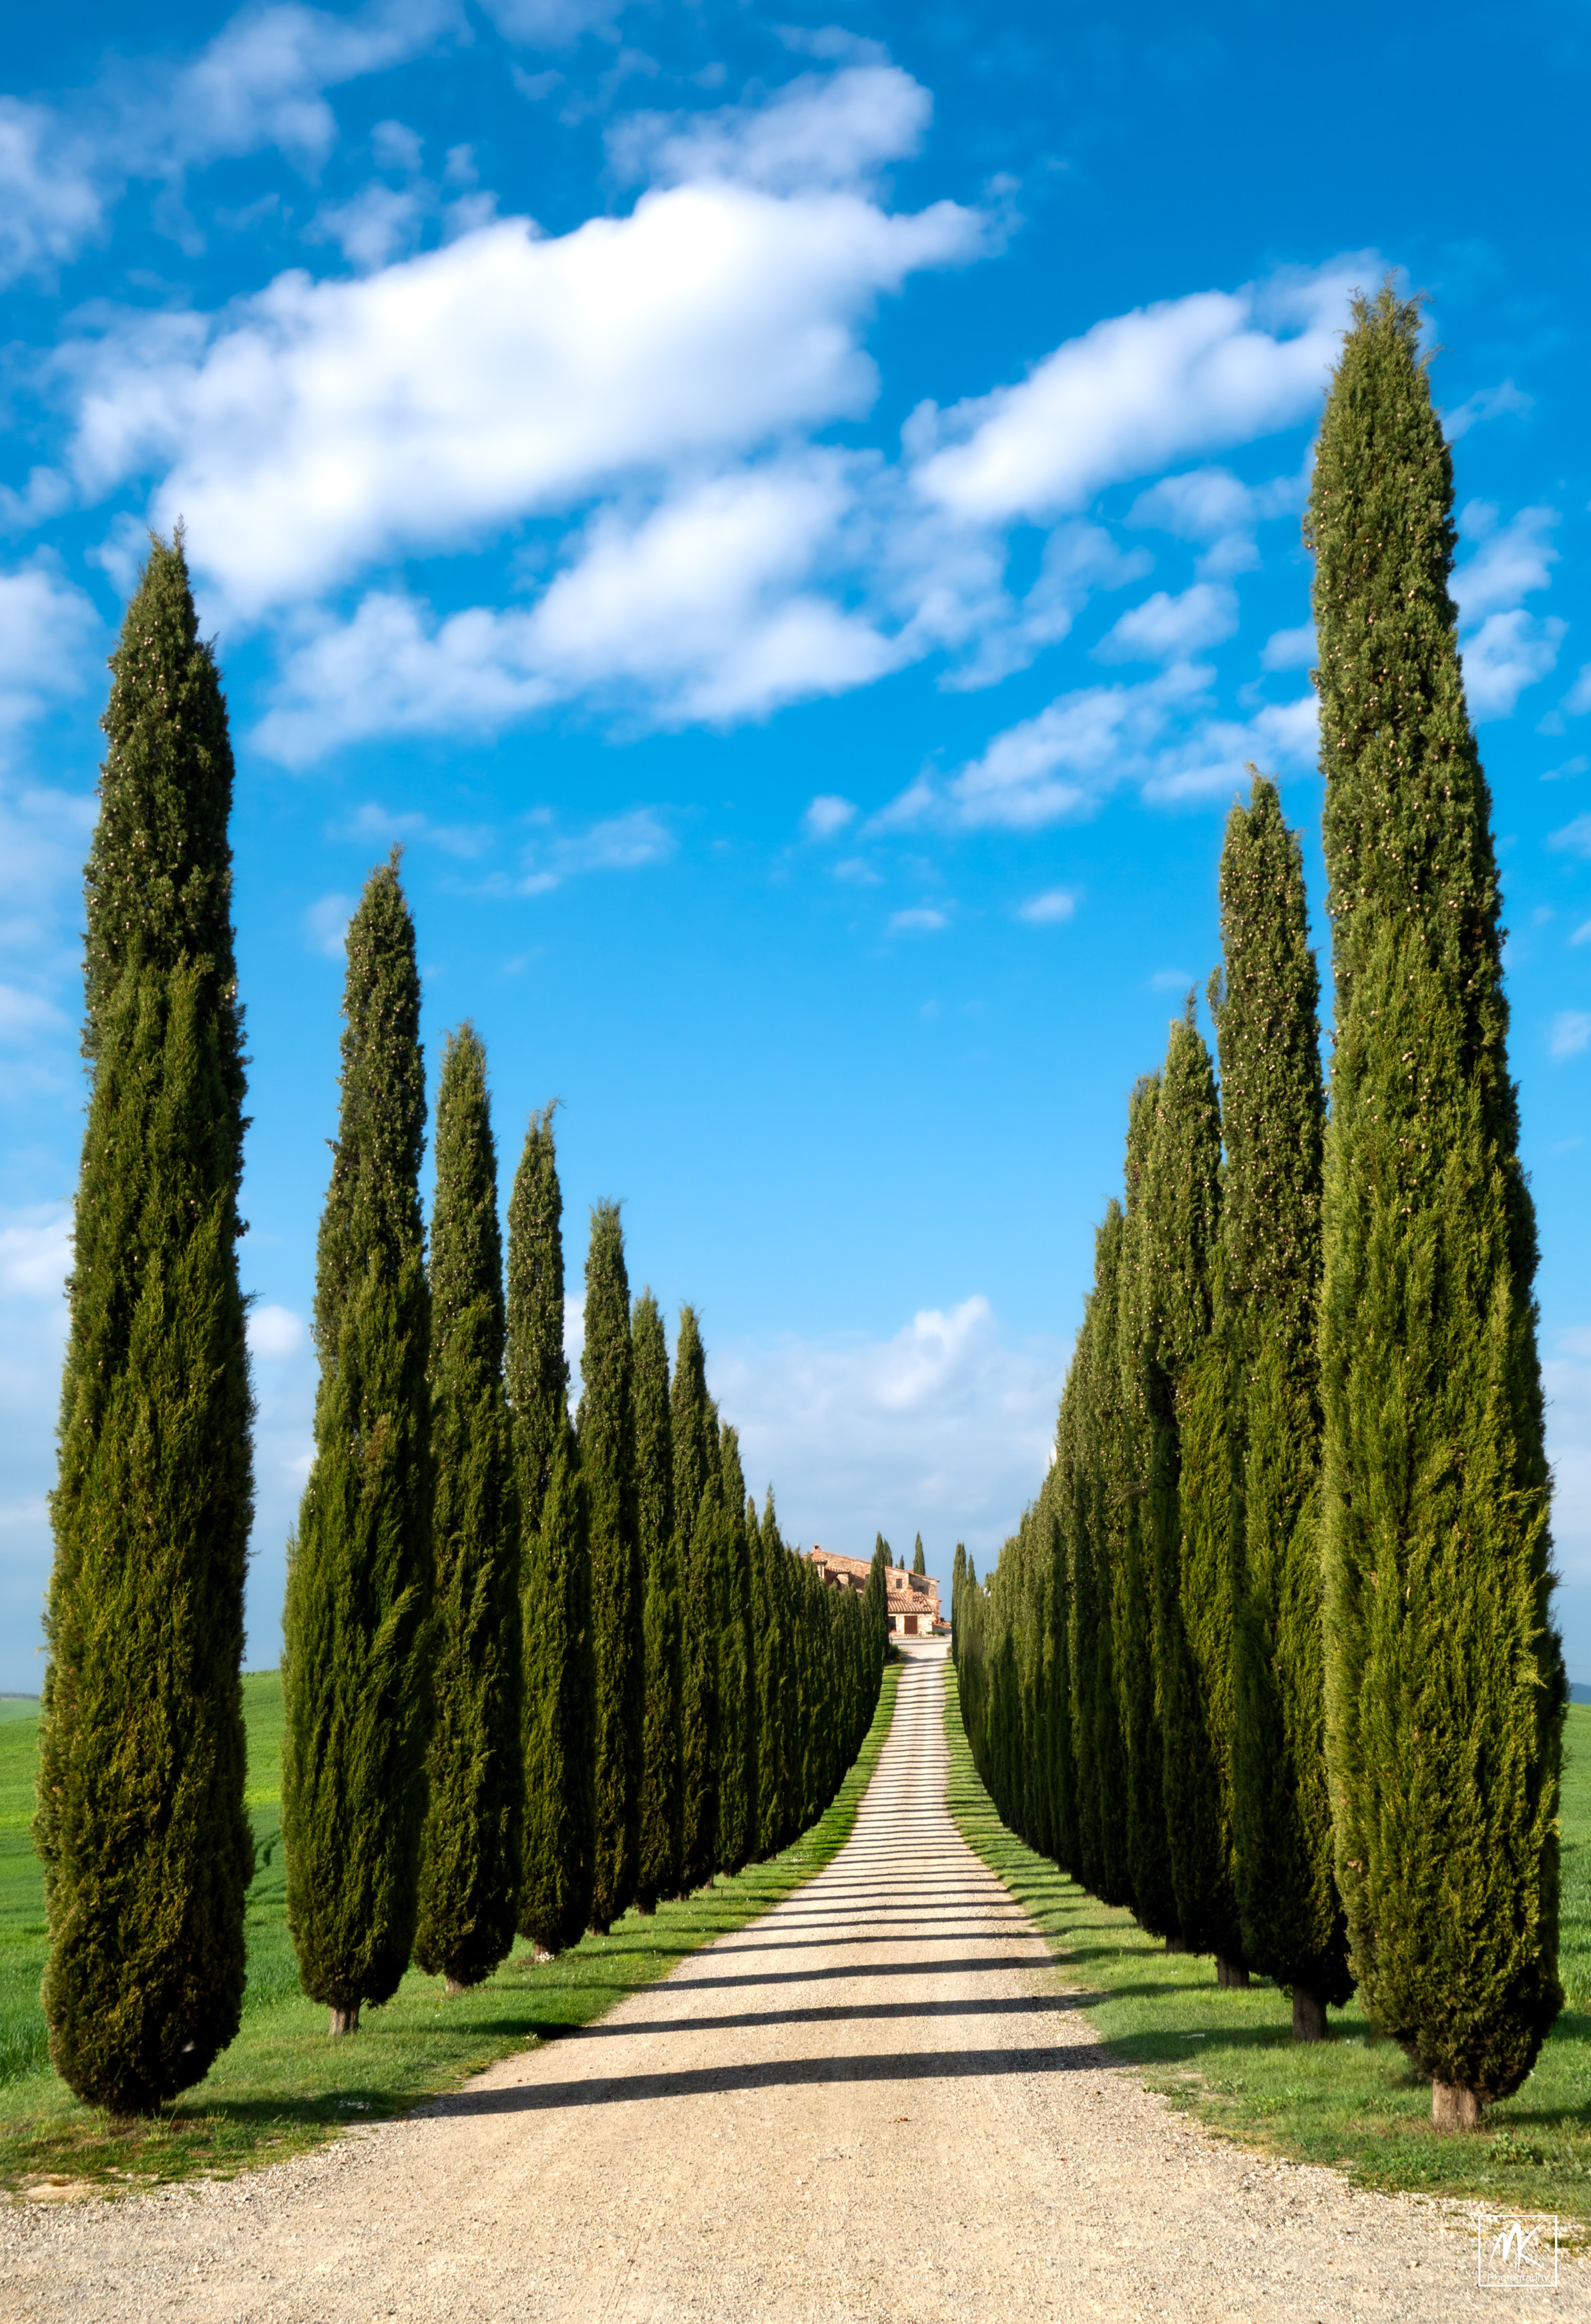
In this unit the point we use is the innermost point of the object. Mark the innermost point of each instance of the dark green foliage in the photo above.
(1143, 1490)
(1273, 1120)
(876, 1601)
(560, 1805)
(355, 1665)
(662, 1793)
(470, 1854)
(957, 1577)
(606, 1429)
(1444, 1681)
(769, 1645)
(558, 1863)
(697, 1515)
(737, 1764)
(919, 1564)
(141, 1826)
(538, 1368)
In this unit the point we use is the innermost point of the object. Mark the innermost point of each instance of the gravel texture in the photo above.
(877, 2102)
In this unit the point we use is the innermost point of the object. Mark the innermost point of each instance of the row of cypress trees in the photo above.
(539, 1665)
(1270, 1659)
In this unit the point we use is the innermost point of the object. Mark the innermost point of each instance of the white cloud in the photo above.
(1507, 653)
(1054, 905)
(697, 606)
(1579, 697)
(920, 920)
(947, 1427)
(1582, 935)
(1574, 838)
(328, 424)
(260, 82)
(1570, 1033)
(1486, 404)
(275, 1332)
(1508, 565)
(827, 814)
(1156, 735)
(620, 843)
(48, 629)
(325, 925)
(24, 1014)
(1137, 392)
(1290, 649)
(552, 23)
(1170, 980)
(1164, 628)
(35, 1253)
(377, 224)
(835, 130)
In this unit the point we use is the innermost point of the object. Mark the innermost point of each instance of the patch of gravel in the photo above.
(875, 2102)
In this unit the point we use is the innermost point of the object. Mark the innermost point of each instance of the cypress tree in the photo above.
(141, 1828)
(1111, 1507)
(558, 1863)
(1185, 1389)
(737, 1788)
(1444, 1678)
(876, 1606)
(1273, 1118)
(470, 1853)
(606, 1429)
(958, 1576)
(1142, 1424)
(697, 1511)
(768, 1623)
(355, 1661)
(919, 1564)
(662, 1795)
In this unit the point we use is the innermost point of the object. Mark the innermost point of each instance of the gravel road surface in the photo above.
(877, 2102)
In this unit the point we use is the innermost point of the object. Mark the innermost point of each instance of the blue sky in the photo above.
(793, 521)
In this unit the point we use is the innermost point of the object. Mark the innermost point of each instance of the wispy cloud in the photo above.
(620, 843)
(919, 921)
(1056, 904)
(1570, 1033)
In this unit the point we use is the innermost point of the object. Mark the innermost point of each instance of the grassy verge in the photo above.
(283, 2086)
(1351, 2102)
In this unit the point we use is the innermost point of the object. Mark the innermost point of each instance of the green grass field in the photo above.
(1353, 2101)
(283, 2085)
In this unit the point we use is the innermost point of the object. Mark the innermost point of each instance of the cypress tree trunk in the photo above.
(141, 1828)
(697, 1514)
(558, 1866)
(1272, 1115)
(470, 1854)
(662, 1792)
(355, 1663)
(737, 1790)
(1144, 1477)
(606, 1428)
(1444, 1678)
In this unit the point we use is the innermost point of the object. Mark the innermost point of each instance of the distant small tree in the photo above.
(474, 1833)
(698, 1519)
(919, 1564)
(737, 1790)
(356, 1628)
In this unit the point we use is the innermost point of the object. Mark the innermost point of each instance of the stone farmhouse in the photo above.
(912, 1599)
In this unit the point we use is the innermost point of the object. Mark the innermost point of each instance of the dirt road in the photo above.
(877, 2102)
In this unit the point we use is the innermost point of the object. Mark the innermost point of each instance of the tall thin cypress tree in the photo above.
(958, 1576)
(1185, 1380)
(141, 1828)
(355, 1661)
(1444, 1678)
(737, 1788)
(697, 1511)
(768, 1634)
(1273, 1120)
(471, 1850)
(560, 1810)
(876, 1604)
(606, 1428)
(1139, 1427)
(662, 1774)
(919, 1563)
